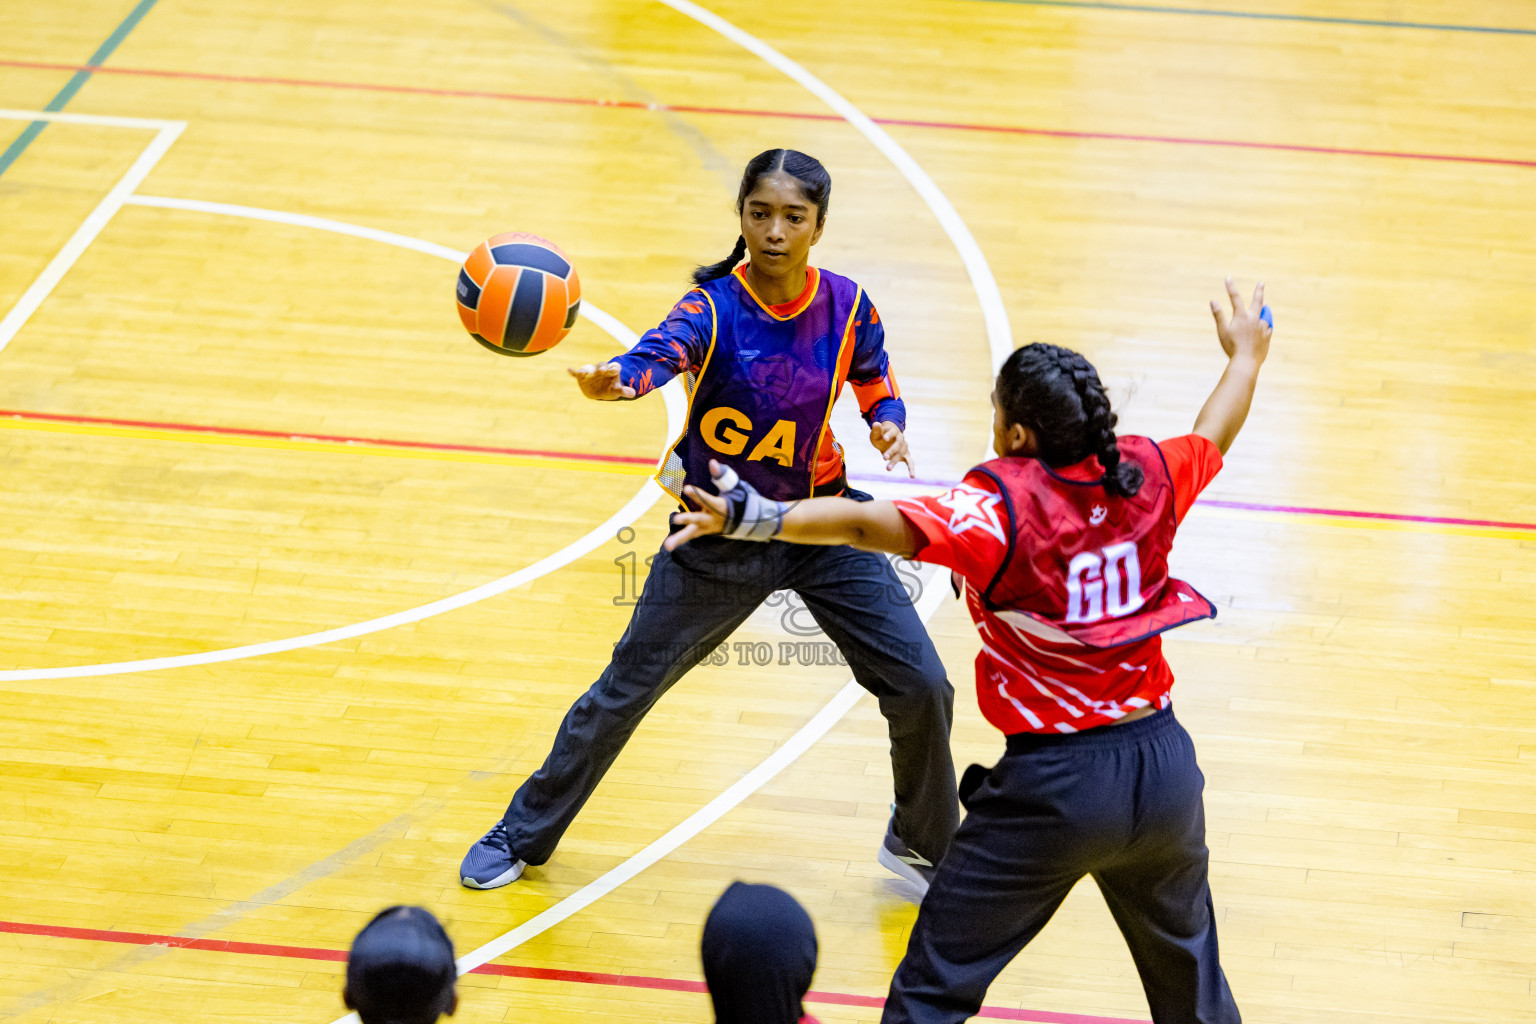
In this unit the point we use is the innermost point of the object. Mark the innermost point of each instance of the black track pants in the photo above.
(1121, 803)
(693, 600)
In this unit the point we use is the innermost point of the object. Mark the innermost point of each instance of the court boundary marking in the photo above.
(533, 458)
(76, 82)
(643, 500)
(166, 133)
(894, 122)
(85, 426)
(339, 440)
(575, 977)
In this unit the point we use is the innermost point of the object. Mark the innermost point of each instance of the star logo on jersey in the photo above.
(1097, 515)
(971, 506)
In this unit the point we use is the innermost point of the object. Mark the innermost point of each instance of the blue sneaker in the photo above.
(490, 863)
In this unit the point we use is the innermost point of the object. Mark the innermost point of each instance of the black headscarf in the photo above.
(759, 955)
(400, 969)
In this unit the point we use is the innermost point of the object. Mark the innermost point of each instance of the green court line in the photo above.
(33, 130)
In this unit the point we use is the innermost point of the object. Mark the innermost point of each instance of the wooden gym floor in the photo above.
(222, 432)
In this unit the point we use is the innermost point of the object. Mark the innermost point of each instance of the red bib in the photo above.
(1086, 567)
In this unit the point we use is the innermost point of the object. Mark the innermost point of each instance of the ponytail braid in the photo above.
(715, 271)
(1120, 479)
(1058, 395)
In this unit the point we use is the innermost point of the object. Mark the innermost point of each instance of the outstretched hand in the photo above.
(892, 443)
(1245, 332)
(1245, 339)
(601, 382)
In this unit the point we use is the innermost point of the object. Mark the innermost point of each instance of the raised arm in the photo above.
(1245, 339)
(741, 511)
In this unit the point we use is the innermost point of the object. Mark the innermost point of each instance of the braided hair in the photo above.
(1057, 394)
(815, 183)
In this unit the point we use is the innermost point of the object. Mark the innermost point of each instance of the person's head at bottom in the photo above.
(401, 969)
(759, 954)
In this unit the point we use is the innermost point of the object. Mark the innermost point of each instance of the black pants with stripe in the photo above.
(1121, 803)
(693, 600)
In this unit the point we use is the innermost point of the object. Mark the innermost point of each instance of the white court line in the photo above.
(1000, 343)
(101, 120)
(994, 313)
(934, 591)
(166, 133)
(637, 506)
(304, 220)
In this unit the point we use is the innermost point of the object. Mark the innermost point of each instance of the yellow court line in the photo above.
(331, 447)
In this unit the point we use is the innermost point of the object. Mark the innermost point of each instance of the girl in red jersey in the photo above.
(765, 348)
(1062, 546)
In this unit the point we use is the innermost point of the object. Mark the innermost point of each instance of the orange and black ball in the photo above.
(518, 294)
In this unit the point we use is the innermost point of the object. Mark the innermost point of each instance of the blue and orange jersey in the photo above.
(762, 381)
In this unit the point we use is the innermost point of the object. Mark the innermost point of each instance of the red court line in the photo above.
(1179, 140)
(507, 970)
(415, 90)
(681, 108)
(194, 428)
(640, 460)
(173, 941)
